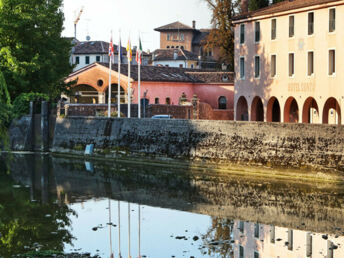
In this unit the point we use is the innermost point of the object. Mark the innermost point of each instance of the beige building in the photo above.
(254, 240)
(288, 62)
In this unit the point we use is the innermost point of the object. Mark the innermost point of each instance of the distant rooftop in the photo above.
(173, 54)
(174, 26)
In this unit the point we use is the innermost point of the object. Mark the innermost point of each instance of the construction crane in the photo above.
(77, 20)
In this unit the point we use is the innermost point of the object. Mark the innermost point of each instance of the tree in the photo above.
(257, 4)
(222, 34)
(33, 55)
(4, 95)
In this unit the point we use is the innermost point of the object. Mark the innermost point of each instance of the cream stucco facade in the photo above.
(306, 84)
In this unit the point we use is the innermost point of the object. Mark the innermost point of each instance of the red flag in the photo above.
(111, 49)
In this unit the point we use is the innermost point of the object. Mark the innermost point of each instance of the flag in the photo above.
(111, 49)
(119, 50)
(129, 51)
(139, 53)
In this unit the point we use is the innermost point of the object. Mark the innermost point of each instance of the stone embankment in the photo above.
(318, 147)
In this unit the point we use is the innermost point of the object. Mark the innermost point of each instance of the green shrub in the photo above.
(21, 105)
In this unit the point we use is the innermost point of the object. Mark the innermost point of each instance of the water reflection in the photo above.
(116, 209)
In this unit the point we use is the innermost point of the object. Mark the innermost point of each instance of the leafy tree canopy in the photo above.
(257, 4)
(222, 34)
(33, 56)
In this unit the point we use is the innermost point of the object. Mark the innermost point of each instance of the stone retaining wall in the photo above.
(269, 144)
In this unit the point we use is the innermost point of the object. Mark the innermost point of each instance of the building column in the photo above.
(101, 97)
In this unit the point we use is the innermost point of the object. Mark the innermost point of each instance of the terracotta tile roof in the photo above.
(171, 74)
(212, 77)
(174, 26)
(96, 47)
(286, 5)
(169, 54)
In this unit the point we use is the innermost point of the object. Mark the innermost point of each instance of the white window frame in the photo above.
(328, 62)
(293, 75)
(244, 26)
(255, 39)
(271, 29)
(257, 77)
(273, 54)
(329, 16)
(289, 26)
(242, 78)
(309, 51)
(311, 35)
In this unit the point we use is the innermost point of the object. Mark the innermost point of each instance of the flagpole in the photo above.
(119, 78)
(139, 90)
(109, 89)
(129, 86)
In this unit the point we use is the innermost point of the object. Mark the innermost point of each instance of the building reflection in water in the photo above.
(259, 240)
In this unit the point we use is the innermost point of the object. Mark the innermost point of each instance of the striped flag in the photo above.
(139, 53)
(129, 51)
(111, 49)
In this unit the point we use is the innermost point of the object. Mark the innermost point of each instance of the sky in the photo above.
(131, 17)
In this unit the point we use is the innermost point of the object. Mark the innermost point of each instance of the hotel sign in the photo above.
(301, 87)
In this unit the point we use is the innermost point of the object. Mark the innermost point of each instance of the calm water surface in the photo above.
(76, 205)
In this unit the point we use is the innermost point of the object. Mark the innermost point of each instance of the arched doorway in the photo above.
(114, 90)
(332, 112)
(310, 111)
(222, 102)
(84, 94)
(257, 110)
(242, 109)
(273, 113)
(291, 111)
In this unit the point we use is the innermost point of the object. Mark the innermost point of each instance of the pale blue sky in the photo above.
(132, 16)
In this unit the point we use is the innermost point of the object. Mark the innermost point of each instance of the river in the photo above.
(105, 208)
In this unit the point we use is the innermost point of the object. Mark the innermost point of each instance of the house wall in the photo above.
(208, 93)
(171, 63)
(188, 35)
(321, 86)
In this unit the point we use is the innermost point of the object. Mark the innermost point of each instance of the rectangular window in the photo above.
(256, 230)
(241, 251)
(242, 68)
(272, 234)
(310, 23)
(256, 66)
(273, 65)
(291, 65)
(257, 31)
(168, 37)
(310, 63)
(256, 255)
(242, 33)
(182, 37)
(241, 226)
(87, 59)
(290, 239)
(332, 20)
(98, 58)
(332, 62)
(273, 29)
(309, 245)
(291, 26)
(77, 60)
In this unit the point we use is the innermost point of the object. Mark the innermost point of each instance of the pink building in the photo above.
(159, 85)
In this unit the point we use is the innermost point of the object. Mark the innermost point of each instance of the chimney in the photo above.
(244, 6)
(194, 25)
(175, 54)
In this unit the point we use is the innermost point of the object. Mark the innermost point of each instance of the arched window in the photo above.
(222, 102)
(156, 101)
(168, 101)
